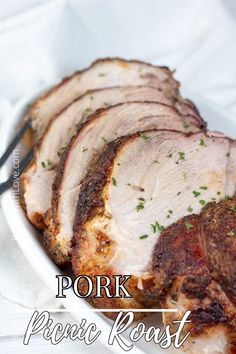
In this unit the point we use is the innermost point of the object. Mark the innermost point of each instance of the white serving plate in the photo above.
(29, 239)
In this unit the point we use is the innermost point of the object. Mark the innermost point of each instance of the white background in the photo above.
(42, 41)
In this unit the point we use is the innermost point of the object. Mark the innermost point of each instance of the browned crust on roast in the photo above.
(33, 110)
(199, 263)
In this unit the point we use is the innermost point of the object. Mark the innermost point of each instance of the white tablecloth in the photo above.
(42, 41)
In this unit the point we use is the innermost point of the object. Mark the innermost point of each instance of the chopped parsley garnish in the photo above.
(185, 125)
(156, 161)
(144, 136)
(118, 163)
(140, 205)
(218, 193)
(178, 194)
(104, 139)
(203, 187)
(43, 164)
(226, 197)
(233, 209)
(196, 194)
(84, 149)
(114, 181)
(170, 212)
(91, 98)
(49, 163)
(188, 226)
(129, 184)
(202, 142)
(169, 155)
(102, 74)
(181, 155)
(157, 226)
(202, 202)
(190, 209)
(143, 237)
(231, 233)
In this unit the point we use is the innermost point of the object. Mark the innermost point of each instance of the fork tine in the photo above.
(15, 141)
(24, 163)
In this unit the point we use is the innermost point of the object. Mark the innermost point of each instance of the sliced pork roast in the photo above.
(102, 127)
(139, 186)
(194, 269)
(37, 180)
(101, 74)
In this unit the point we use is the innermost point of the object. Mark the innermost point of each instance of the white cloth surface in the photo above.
(42, 41)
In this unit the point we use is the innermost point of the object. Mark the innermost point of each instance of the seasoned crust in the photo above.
(193, 263)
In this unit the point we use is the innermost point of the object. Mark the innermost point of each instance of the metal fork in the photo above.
(24, 163)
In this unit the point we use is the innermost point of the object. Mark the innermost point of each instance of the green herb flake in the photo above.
(203, 187)
(188, 226)
(143, 237)
(91, 98)
(181, 155)
(170, 211)
(156, 161)
(185, 125)
(118, 163)
(49, 163)
(231, 233)
(102, 74)
(202, 202)
(169, 156)
(226, 197)
(178, 194)
(129, 184)
(43, 164)
(196, 194)
(156, 226)
(84, 149)
(114, 181)
(104, 139)
(190, 209)
(202, 142)
(144, 136)
(232, 209)
(140, 205)
(218, 193)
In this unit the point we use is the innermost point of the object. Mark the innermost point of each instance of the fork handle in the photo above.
(24, 163)
(15, 141)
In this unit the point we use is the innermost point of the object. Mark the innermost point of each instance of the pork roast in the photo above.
(194, 269)
(102, 73)
(140, 185)
(102, 127)
(38, 178)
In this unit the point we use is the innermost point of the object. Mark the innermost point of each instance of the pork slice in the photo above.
(137, 188)
(38, 179)
(102, 73)
(194, 269)
(102, 127)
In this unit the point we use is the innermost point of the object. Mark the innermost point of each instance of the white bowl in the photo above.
(30, 241)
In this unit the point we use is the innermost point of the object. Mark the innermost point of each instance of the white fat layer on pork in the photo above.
(116, 121)
(107, 73)
(168, 182)
(61, 130)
